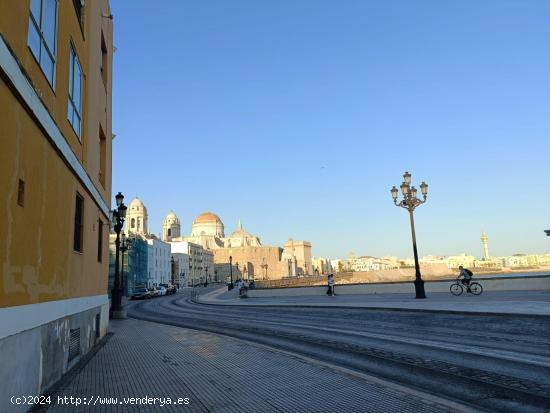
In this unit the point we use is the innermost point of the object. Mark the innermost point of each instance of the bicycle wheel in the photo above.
(476, 288)
(456, 289)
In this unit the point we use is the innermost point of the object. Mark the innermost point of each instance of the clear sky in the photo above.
(297, 116)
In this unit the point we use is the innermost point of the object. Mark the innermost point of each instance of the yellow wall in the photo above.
(37, 260)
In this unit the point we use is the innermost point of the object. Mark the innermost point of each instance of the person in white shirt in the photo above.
(331, 285)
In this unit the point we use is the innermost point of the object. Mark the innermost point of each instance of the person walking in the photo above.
(331, 285)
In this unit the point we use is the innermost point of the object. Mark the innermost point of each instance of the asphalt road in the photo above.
(491, 363)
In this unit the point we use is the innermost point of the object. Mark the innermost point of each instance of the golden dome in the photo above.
(207, 218)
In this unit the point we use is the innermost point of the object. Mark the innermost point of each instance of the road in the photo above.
(491, 363)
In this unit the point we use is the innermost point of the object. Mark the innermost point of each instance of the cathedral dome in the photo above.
(208, 218)
(207, 224)
(242, 238)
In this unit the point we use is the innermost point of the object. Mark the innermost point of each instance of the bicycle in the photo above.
(458, 288)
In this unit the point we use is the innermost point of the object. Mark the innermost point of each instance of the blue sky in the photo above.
(297, 116)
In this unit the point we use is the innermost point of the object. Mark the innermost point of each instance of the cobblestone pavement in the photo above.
(222, 374)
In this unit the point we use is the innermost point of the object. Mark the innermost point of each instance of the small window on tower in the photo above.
(169, 232)
(21, 193)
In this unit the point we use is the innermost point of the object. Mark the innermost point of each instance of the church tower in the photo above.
(171, 227)
(136, 218)
(485, 243)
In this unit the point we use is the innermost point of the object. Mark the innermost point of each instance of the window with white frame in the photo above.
(42, 35)
(74, 109)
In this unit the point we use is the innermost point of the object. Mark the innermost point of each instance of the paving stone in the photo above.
(220, 374)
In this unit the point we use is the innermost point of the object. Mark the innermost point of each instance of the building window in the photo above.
(99, 240)
(74, 109)
(21, 193)
(133, 223)
(102, 156)
(42, 35)
(78, 223)
(79, 8)
(104, 64)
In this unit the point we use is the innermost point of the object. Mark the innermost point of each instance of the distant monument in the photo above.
(485, 243)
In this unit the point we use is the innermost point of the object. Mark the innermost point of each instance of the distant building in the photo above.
(194, 253)
(158, 264)
(181, 270)
(485, 244)
(321, 266)
(134, 272)
(171, 227)
(137, 218)
(256, 261)
(464, 259)
(208, 265)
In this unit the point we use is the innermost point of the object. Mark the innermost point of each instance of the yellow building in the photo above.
(55, 186)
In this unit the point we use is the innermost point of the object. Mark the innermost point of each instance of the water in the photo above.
(513, 274)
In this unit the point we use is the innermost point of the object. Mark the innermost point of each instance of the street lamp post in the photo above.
(124, 247)
(230, 286)
(118, 217)
(206, 276)
(410, 202)
(172, 270)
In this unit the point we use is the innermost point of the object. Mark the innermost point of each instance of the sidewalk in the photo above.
(526, 303)
(221, 374)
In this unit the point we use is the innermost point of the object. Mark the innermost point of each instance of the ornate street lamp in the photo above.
(230, 286)
(206, 276)
(125, 244)
(172, 270)
(410, 202)
(118, 216)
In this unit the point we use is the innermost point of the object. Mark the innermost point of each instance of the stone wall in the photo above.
(34, 360)
(251, 257)
(429, 272)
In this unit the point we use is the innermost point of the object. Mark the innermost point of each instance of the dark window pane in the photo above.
(100, 240)
(48, 26)
(21, 193)
(78, 221)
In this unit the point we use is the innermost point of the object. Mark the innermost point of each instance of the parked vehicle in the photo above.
(170, 289)
(162, 290)
(154, 292)
(140, 293)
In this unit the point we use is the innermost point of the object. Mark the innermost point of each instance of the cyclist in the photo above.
(465, 277)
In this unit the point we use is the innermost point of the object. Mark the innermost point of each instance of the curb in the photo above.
(418, 310)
